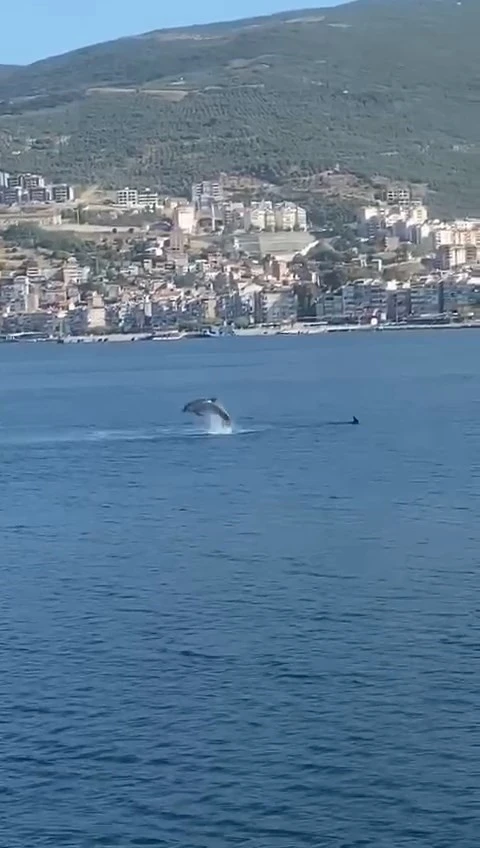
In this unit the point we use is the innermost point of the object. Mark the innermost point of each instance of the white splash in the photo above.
(217, 427)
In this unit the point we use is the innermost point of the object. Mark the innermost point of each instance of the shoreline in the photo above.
(348, 328)
(254, 332)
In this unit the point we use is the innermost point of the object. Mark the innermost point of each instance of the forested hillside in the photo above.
(379, 86)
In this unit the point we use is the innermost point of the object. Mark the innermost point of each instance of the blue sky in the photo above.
(46, 27)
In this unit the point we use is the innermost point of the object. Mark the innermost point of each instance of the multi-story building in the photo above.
(419, 234)
(232, 214)
(184, 218)
(330, 305)
(177, 241)
(32, 188)
(459, 295)
(364, 299)
(207, 192)
(260, 216)
(417, 215)
(76, 320)
(289, 216)
(127, 198)
(400, 219)
(398, 194)
(147, 312)
(14, 293)
(458, 233)
(72, 273)
(14, 181)
(372, 221)
(264, 215)
(398, 302)
(39, 195)
(276, 306)
(96, 312)
(426, 297)
(276, 269)
(209, 308)
(451, 256)
(248, 293)
(368, 213)
(147, 199)
(132, 198)
(62, 193)
(33, 271)
(14, 196)
(443, 235)
(32, 297)
(31, 181)
(42, 323)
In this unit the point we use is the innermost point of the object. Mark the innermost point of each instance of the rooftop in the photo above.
(281, 245)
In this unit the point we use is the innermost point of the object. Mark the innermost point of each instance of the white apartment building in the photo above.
(401, 218)
(451, 256)
(147, 199)
(132, 198)
(260, 216)
(459, 234)
(264, 215)
(127, 198)
(289, 216)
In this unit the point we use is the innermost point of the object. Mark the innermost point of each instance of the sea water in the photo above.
(267, 640)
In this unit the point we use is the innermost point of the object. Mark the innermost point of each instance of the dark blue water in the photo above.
(269, 639)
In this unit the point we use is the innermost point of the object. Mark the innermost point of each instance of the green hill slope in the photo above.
(380, 86)
(6, 71)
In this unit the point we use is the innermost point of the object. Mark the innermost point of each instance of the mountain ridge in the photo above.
(28, 75)
(376, 85)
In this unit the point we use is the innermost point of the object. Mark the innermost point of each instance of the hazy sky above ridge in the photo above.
(41, 28)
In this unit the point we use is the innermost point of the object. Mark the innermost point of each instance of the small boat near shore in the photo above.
(168, 335)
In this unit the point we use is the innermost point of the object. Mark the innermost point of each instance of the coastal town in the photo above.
(80, 263)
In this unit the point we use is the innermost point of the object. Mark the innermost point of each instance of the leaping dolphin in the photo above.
(207, 406)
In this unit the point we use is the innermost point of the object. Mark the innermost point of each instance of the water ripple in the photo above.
(267, 641)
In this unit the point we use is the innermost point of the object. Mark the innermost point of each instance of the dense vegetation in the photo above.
(379, 86)
(6, 70)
